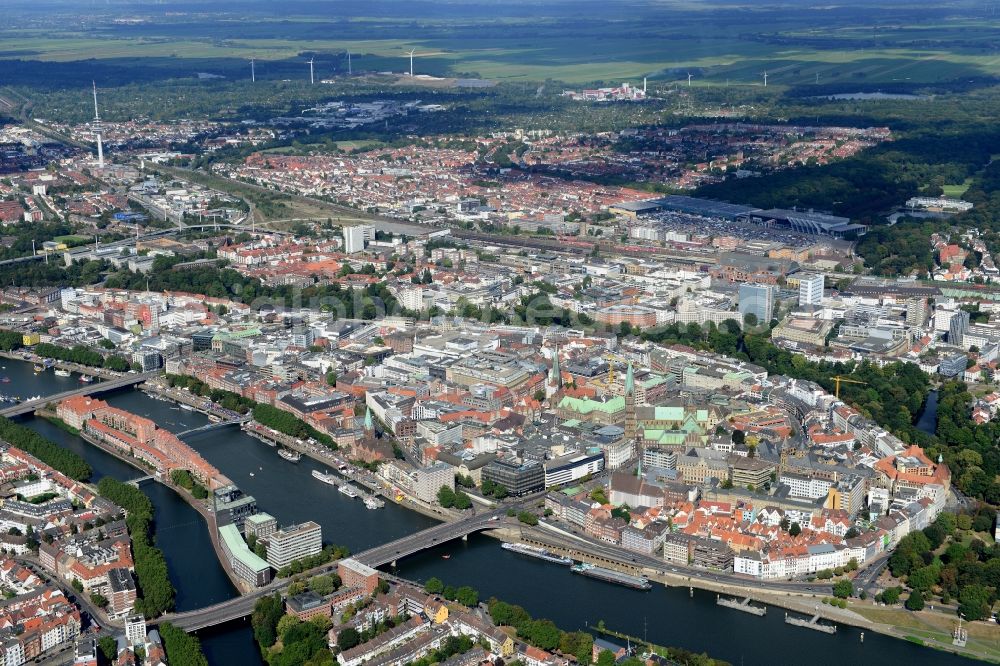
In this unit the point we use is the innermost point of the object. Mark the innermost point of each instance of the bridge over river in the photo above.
(242, 606)
(29, 406)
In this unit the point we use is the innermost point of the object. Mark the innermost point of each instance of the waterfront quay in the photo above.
(155, 388)
(316, 451)
(578, 546)
(349, 473)
(744, 606)
(793, 596)
(287, 491)
(665, 615)
(200, 506)
(85, 370)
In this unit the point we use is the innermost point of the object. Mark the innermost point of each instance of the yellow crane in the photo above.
(846, 380)
(610, 358)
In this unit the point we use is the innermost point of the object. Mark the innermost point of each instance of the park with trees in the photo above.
(289, 424)
(186, 480)
(156, 592)
(50, 453)
(181, 647)
(953, 561)
(82, 355)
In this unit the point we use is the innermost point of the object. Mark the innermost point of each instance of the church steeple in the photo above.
(554, 381)
(369, 424)
(631, 426)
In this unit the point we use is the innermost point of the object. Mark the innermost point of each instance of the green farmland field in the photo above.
(718, 43)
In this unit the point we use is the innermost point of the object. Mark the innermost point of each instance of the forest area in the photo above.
(905, 248)
(876, 181)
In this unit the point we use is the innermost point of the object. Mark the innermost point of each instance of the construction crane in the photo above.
(610, 358)
(846, 380)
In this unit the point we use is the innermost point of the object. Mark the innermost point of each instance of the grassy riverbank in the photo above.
(933, 629)
(57, 422)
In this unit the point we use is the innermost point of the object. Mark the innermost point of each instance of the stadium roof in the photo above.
(703, 207)
(638, 206)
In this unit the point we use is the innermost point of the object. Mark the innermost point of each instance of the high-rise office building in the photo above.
(757, 299)
(916, 311)
(293, 543)
(957, 327)
(354, 239)
(811, 289)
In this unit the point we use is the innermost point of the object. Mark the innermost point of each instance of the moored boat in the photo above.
(611, 576)
(540, 553)
(325, 478)
(289, 455)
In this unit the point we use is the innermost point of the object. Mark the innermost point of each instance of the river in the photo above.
(180, 531)
(927, 418)
(668, 616)
(287, 491)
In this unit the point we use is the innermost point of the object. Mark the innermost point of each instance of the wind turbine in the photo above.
(689, 79)
(312, 79)
(97, 127)
(253, 72)
(765, 78)
(411, 61)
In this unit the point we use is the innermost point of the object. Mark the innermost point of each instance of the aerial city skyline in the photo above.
(498, 333)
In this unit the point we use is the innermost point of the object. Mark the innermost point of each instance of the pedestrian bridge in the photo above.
(140, 480)
(213, 426)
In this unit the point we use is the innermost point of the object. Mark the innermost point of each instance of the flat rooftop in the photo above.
(703, 207)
